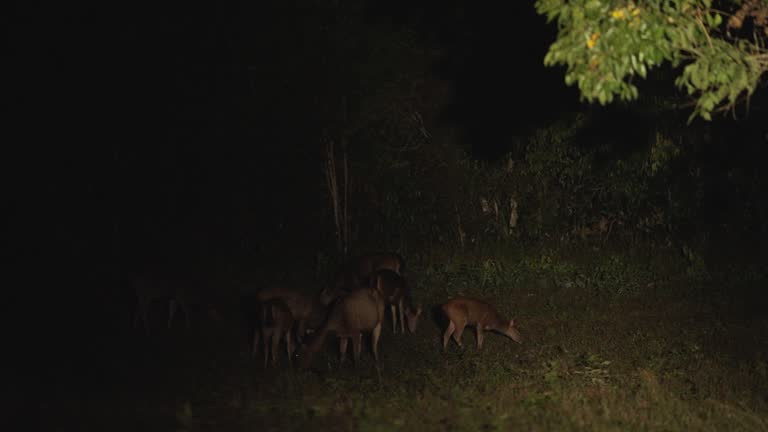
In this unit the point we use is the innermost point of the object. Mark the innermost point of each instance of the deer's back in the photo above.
(361, 310)
(299, 303)
(470, 310)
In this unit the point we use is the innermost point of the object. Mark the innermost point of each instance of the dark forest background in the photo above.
(206, 128)
(195, 137)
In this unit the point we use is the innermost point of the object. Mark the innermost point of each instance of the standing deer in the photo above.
(397, 295)
(275, 323)
(360, 311)
(307, 310)
(464, 311)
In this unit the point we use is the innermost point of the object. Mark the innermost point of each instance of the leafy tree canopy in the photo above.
(718, 48)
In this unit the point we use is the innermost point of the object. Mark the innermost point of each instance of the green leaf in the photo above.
(641, 70)
(714, 69)
(601, 98)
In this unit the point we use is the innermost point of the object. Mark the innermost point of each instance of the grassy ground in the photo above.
(613, 343)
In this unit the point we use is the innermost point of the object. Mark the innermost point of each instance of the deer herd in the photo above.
(353, 303)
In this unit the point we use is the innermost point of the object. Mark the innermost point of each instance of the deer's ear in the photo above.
(511, 323)
(418, 310)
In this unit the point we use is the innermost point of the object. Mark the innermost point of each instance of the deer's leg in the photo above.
(275, 346)
(375, 339)
(288, 347)
(392, 308)
(480, 336)
(459, 331)
(447, 335)
(301, 329)
(357, 344)
(402, 318)
(267, 343)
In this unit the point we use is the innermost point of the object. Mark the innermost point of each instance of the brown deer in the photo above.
(360, 311)
(275, 323)
(357, 272)
(307, 310)
(464, 311)
(149, 290)
(397, 295)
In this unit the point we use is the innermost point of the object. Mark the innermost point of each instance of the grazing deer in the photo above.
(397, 295)
(308, 312)
(148, 290)
(360, 311)
(463, 311)
(357, 272)
(275, 324)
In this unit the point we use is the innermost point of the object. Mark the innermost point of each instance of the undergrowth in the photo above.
(614, 341)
